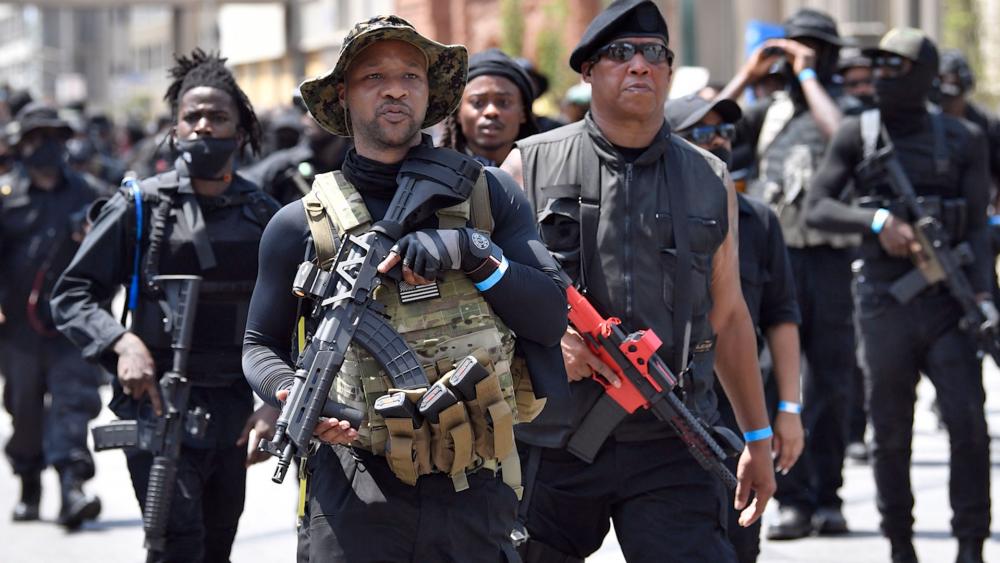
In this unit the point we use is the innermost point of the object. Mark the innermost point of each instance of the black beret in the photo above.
(623, 18)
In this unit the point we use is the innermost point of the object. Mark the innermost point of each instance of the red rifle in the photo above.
(646, 382)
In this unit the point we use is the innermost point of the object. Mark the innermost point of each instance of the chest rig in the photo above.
(444, 323)
(213, 237)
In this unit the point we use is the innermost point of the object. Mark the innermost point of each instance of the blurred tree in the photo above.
(511, 27)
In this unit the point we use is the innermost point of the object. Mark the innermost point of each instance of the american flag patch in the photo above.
(414, 293)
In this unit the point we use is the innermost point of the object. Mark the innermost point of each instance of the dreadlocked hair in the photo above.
(453, 137)
(209, 69)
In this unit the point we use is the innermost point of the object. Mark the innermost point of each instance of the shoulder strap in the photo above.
(677, 198)
(333, 206)
(481, 211)
(781, 111)
(941, 161)
(871, 124)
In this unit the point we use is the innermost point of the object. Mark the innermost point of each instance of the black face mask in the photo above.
(48, 155)
(867, 100)
(724, 154)
(206, 156)
(905, 95)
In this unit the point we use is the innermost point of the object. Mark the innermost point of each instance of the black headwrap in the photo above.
(494, 62)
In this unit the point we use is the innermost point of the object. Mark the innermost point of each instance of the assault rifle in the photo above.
(348, 312)
(162, 436)
(937, 261)
(646, 382)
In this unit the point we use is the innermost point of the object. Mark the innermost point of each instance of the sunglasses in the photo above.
(703, 134)
(858, 82)
(891, 65)
(623, 51)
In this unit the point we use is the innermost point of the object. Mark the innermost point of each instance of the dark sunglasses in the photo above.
(858, 82)
(623, 51)
(703, 134)
(891, 62)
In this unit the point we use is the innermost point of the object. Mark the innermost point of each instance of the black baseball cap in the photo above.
(683, 113)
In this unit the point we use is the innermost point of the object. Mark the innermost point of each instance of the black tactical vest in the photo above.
(630, 271)
(790, 149)
(233, 224)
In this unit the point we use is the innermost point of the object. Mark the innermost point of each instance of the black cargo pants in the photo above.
(823, 286)
(53, 434)
(359, 512)
(664, 506)
(898, 342)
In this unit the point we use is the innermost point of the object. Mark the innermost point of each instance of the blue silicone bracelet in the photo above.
(881, 216)
(755, 435)
(494, 277)
(788, 406)
(807, 74)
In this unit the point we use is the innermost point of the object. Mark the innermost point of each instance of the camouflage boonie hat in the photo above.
(447, 67)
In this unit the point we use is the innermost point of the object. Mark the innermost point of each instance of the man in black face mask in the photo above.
(945, 159)
(42, 205)
(768, 288)
(956, 83)
(786, 137)
(202, 218)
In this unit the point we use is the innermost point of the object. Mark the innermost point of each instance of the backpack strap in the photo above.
(941, 161)
(779, 113)
(871, 124)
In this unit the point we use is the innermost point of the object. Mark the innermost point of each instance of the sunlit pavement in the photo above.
(267, 528)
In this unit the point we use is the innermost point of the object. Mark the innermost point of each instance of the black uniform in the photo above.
(821, 264)
(900, 341)
(358, 510)
(643, 478)
(769, 290)
(216, 238)
(287, 174)
(36, 243)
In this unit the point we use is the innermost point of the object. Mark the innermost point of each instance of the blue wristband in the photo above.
(494, 277)
(756, 435)
(881, 216)
(788, 406)
(807, 74)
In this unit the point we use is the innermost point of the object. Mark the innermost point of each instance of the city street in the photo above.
(267, 528)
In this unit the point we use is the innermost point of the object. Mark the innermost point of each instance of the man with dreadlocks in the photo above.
(200, 218)
(495, 111)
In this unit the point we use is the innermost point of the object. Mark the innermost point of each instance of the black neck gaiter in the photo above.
(371, 177)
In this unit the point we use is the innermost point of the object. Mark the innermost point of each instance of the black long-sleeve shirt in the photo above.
(967, 178)
(529, 298)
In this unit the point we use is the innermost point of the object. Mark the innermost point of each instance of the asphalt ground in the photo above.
(266, 531)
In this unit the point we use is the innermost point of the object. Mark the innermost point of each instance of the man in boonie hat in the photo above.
(418, 487)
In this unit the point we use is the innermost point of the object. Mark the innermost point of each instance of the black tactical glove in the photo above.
(431, 252)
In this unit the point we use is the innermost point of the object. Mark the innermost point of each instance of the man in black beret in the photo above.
(599, 188)
(495, 110)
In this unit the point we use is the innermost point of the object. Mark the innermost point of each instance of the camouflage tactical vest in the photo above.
(441, 330)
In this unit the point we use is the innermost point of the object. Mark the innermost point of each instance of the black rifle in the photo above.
(937, 261)
(162, 436)
(349, 314)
